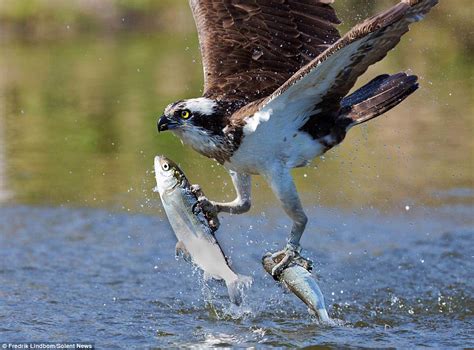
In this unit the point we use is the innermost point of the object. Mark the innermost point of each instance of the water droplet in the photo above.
(257, 53)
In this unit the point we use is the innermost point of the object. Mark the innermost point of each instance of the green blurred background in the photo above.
(83, 82)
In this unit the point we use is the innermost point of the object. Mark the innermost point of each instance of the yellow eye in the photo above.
(185, 114)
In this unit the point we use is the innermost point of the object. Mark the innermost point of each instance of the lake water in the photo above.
(86, 253)
(111, 278)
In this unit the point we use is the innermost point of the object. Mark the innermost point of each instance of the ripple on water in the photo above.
(112, 278)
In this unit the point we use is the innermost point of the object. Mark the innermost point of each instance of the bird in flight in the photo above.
(277, 77)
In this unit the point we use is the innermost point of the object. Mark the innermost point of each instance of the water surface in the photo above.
(112, 279)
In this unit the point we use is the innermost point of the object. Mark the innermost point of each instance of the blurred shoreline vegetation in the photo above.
(34, 20)
(56, 19)
(53, 20)
(449, 28)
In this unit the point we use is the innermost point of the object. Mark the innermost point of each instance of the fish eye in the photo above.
(165, 166)
(185, 114)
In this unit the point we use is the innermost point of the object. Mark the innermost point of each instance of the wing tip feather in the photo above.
(411, 10)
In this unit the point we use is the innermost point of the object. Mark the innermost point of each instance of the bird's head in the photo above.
(199, 122)
(188, 116)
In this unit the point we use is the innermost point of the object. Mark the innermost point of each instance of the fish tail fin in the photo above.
(236, 288)
(376, 97)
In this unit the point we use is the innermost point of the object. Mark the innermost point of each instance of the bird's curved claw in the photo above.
(208, 207)
(290, 255)
(196, 189)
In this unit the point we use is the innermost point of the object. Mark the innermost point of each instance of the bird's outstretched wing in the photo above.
(319, 87)
(251, 47)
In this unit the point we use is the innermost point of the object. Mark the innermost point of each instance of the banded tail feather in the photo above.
(377, 97)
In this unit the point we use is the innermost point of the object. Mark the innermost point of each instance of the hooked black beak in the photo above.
(163, 123)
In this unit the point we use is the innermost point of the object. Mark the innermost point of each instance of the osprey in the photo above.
(277, 75)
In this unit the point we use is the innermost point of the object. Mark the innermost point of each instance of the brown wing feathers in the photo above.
(251, 47)
(255, 50)
(373, 38)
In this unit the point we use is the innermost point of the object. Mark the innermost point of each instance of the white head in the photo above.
(185, 114)
(199, 122)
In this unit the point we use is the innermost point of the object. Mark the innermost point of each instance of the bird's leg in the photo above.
(284, 188)
(241, 204)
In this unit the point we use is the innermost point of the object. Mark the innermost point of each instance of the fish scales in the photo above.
(192, 226)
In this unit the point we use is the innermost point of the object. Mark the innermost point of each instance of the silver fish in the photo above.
(300, 281)
(195, 228)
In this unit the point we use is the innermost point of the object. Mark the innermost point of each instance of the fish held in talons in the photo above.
(284, 258)
(194, 227)
(298, 279)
